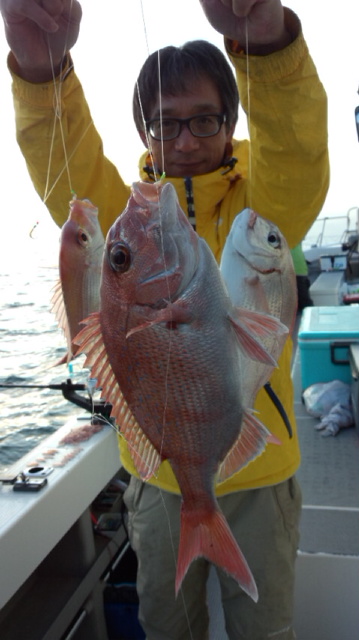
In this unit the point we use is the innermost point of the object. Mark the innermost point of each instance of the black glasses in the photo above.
(201, 126)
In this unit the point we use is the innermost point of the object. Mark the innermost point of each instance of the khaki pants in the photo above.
(265, 525)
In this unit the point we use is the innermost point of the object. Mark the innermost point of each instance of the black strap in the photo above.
(190, 201)
(278, 405)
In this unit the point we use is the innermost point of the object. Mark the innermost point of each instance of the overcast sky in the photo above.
(108, 56)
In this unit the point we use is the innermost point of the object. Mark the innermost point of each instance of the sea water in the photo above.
(31, 343)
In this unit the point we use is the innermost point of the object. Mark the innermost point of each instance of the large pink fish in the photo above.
(77, 293)
(164, 348)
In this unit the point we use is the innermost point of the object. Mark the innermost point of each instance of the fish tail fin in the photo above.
(207, 534)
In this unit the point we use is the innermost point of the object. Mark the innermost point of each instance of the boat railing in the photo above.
(350, 228)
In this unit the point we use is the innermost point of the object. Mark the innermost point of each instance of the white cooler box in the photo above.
(327, 289)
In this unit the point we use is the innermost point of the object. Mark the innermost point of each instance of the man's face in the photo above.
(188, 155)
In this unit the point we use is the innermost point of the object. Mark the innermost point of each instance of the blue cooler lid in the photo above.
(330, 322)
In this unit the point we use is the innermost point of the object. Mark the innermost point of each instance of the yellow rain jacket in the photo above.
(283, 174)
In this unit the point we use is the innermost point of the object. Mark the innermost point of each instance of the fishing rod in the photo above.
(68, 383)
(69, 389)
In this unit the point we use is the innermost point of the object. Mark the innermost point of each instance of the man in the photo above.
(303, 282)
(282, 173)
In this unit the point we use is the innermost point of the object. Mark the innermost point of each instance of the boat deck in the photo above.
(327, 586)
(327, 590)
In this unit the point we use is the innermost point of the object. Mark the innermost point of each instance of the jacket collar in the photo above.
(208, 189)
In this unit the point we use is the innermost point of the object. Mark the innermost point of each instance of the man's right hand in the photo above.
(261, 22)
(34, 28)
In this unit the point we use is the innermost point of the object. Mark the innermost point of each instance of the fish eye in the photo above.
(273, 239)
(82, 237)
(120, 257)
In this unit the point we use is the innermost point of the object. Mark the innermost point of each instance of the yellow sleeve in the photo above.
(62, 149)
(286, 107)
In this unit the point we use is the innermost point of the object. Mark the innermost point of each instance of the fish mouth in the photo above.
(160, 275)
(257, 269)
(252, 219)
(166, 285)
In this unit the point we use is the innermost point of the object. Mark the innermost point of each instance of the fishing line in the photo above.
(66, 167)
(175, 562)
(57, 111)
(169, 332)
(160, 107)
(158, 191)
(249, 180)
(57, 88)
(159, 96)
(57, 85)
(138, 91)
(157, 183)
(57, 116)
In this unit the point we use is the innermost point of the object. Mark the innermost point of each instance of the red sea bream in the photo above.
(258, 271)
(77, 293)
(164, 348)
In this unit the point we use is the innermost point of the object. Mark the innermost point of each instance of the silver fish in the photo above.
(258, 270)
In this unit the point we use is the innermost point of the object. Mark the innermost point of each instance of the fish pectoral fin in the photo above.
(263, 324)
(250, 327)
(173, 313)
(251, 442)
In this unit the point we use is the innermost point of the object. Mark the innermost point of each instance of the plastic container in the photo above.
(333, 263)
(327, 289)
(324, 338)
(354, 368)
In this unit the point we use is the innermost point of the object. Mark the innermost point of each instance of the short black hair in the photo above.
(178, 67)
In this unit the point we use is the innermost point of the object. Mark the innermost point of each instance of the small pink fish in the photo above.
(77, 293)
(164, 348)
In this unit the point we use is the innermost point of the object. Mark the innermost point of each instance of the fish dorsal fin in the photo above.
(251, 327)
(250, 443)
(145, 457)
(58, 308)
